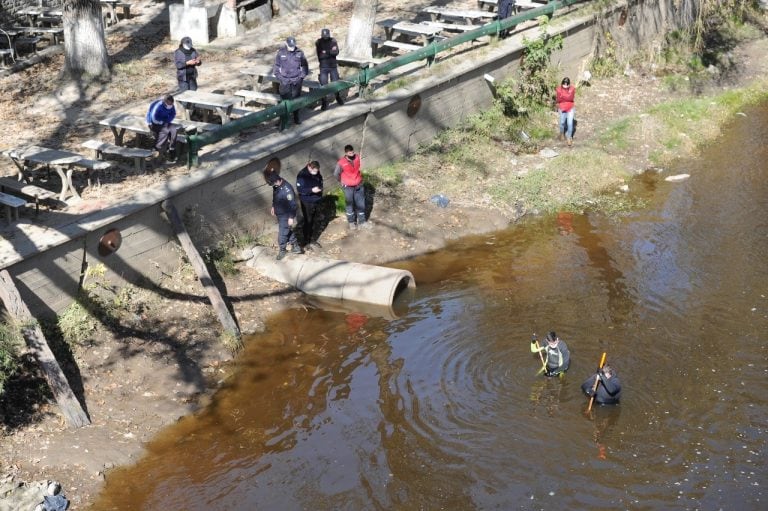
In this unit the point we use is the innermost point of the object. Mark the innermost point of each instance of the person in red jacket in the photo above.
(348, 173)
(565, 97)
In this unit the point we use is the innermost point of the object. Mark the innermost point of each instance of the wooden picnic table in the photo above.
(110, 5)
(424, 34)
(63, 162)
(56, 33)
(33, 12)
(263, 75)
(470, 16)
(207, 101)
(121, 123)
(519, 4)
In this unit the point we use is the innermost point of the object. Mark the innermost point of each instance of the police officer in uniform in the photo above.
(327, 48)
(284, 207)
(290, 69)
(505, 10)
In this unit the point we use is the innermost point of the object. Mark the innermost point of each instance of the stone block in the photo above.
(189, 21)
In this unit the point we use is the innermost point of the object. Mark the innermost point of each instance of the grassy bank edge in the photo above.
(460, 161)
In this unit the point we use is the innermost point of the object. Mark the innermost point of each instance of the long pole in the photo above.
(541, 355)
(597, 382)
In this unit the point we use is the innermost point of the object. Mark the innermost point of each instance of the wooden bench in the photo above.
(12, 205)
(35, 192)
(241, 112)
(26, 41)
(262, 98)
(55, 34)
(48, 21)
(376, 42)
(450, 27)
(94, 166)
(138, 156)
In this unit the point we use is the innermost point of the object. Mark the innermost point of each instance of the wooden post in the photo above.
(70, 406)
(226, 319)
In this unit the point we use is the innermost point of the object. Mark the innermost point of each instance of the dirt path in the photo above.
(163, 357)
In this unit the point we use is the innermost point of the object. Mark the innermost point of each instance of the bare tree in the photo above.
(85, 49)
(361, 29)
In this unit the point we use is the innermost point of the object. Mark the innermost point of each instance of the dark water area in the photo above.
(442, 408)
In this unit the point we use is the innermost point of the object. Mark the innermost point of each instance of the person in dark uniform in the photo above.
(506, 9)
(557, 358)
(309, 184)
(284, 207)
(608, 391)
(327, 48)
(290, 69)
(186, 58)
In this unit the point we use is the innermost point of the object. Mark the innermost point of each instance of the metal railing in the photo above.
(286, 107)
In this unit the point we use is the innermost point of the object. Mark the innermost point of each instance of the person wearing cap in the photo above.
(557, 358)
(327, 48)
(309, 184)
(565, 96)
(159, 119)
(187, 59)
(347, 171)
(290, 69)
(608, 390)
(284, 207)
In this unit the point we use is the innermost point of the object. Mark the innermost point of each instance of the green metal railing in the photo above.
(285, 108)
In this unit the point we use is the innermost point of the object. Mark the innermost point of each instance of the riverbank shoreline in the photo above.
(127, 376)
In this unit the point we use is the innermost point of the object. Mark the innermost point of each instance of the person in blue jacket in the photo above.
(160, 118)
(187, 59)
(290, 69)
(284, 207)
(309, 184)
(608, 391)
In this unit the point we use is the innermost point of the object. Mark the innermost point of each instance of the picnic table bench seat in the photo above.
(241, 112)
(35, 192)
(377, 42)
(262, 98)
(48, 21)
(138, 156)
(12, 205)
(450, 27)
(30, 41)
(94, 167)
(55, 34)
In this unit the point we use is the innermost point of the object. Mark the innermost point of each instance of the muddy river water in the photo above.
(440, 406)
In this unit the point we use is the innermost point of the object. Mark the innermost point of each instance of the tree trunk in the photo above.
(85, 49)
(361, 30)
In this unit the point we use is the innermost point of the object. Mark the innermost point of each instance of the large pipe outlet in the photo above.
(332, 278)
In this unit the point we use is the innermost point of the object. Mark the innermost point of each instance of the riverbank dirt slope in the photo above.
(163, 355)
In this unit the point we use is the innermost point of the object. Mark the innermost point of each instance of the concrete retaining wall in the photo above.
(227, 193)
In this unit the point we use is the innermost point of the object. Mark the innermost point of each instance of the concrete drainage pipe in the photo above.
(332, 278)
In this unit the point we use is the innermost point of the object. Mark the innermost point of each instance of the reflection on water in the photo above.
(438, 405)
